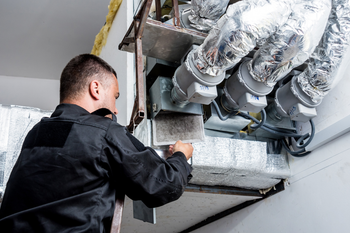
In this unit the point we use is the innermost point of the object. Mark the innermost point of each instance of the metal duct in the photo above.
(238, 163)
(16, 121)
(205, 13)
(293, 43)
(228, 162)
(317, 79)
(237, 32)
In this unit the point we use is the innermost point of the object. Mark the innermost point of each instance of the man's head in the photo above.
(89, 82)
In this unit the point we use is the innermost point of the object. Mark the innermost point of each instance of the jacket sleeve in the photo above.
(142, 174)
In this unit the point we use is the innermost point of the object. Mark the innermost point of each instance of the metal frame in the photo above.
(222, 190)
(138, 25)
(118, 214)
(138, 112)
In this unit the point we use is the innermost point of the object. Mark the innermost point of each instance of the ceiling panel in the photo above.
(39, 37)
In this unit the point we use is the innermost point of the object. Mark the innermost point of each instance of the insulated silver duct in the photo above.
(16, 121)
(293, 43)
(205, 13)
(228, 162)
(238, 163)
(317, 79)
(245, 24)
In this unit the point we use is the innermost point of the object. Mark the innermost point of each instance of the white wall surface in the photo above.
(122, 62)
(32, 92)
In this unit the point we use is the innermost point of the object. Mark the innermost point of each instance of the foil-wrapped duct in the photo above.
(228, 162)
(237, 32)
(293, 43)
(316, 81)
(15, 123)
(205, 13)
(237, 163)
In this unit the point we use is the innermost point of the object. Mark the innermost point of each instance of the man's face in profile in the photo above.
(111, 93)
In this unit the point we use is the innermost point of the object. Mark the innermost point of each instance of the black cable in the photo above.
(283, 131)
(223, 118)
(301, 139)
(274, 130)
(269, 128)
(262, 122)
(299, 153)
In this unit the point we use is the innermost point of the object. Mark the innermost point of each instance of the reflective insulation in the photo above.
(293, 43)
(205, 13)
(316, 80)
(238, 163)
(245, 24)
(15, 123)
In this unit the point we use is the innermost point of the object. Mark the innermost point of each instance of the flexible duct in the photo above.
(293, 43)
(317, 79)
(205, 13)
(245, 24)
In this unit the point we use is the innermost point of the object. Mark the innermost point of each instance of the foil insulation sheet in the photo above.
(316, 81)
(293, 43)
(238, 163)
(205, 13)
(15, 123)
(237, 32)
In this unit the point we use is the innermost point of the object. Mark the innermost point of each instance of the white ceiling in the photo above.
(39, 37)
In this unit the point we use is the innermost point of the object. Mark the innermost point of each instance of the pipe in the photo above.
(293, 43)
(205, 13)
(316, 81)
(245, 24)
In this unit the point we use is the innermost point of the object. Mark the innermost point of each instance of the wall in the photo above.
(44, 93)
(32, 92)
(122, 62)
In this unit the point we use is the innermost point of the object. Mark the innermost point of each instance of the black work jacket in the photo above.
(72, 166)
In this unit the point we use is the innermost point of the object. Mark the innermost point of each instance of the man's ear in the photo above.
(95, 89)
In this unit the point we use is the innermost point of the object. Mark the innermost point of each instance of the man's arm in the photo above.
(144, 175)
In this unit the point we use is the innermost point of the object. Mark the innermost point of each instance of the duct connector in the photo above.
(245, 24)
(319, 77)
(203, 14)
(242, 92)
(190, 85)
(291, 101)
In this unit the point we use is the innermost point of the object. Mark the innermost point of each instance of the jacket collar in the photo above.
(66, 110)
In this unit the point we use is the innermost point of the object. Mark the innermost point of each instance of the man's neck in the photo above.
(88, 106)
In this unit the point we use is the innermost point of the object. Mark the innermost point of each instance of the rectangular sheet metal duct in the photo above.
(229, 162)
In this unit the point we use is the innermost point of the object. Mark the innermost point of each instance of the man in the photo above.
(73, 164)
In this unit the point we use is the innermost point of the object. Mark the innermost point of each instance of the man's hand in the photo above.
(185, 148)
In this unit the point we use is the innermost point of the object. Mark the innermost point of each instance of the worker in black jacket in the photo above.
(73, 164)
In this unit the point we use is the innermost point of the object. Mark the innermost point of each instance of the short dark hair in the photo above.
(79, 72)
